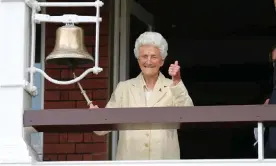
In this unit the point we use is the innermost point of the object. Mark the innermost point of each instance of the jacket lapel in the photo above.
(137, 91)
(159, 91)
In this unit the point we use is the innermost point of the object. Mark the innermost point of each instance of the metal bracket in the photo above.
(66, 18)
(32, 90)
(95, 70)
(33, 4)
(38, 5)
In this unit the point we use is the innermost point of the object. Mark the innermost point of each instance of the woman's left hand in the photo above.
(174, 72)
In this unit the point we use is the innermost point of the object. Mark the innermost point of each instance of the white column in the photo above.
(14, 58)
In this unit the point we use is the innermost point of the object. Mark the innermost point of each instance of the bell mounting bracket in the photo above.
(66, 19)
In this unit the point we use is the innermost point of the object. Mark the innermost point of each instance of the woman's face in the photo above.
(150, 60)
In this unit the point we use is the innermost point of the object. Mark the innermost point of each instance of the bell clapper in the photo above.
(83, 92)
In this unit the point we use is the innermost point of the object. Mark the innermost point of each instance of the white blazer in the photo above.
(148, 144)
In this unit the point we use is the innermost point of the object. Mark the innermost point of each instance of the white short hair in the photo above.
(154, 39)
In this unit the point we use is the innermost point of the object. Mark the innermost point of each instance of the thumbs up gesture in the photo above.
(174, 72)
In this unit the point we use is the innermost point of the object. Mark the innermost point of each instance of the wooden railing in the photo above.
(85, 120)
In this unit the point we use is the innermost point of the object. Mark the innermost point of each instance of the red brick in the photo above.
(63, 137)
(94, 83)
(66, 74)
(103, 62)
(54, 66)
(77, 95)
(48, 157)
(85, 67)
(99, 157)
(77, 10)
(97, 138)
(53, 73)
(104, 28)
(100, 103)
(74, 157)
(59, 105)
(75, 137)
(52, 86)
(103, 51)
(50, 43)
(95, 157)
(52, 95)
(105, 15)
(88, 137)
(83, 104)
(90, 40)
(61, 157)
(88, 29)
(99, 94)
(50, 32)
(91, 148)
(49, 85)
(87, 157)
(51, 138)
(64, 95)
(59, 148)
(90, 50)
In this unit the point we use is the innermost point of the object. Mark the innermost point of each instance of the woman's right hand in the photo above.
(91, 106)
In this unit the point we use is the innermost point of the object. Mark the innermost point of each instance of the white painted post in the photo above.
(14, 59)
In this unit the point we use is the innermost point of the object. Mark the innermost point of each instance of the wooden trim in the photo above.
(85, 120)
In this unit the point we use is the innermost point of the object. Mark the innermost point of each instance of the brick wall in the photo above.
(77, 146)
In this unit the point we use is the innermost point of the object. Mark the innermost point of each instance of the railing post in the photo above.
(260, 141)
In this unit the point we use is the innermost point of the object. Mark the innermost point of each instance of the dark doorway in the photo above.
(223, 52)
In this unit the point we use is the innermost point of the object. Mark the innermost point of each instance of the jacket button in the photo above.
(147, 134)
(146, 145)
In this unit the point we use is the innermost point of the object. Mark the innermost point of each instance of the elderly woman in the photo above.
(149, 89)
